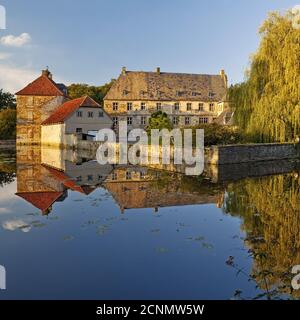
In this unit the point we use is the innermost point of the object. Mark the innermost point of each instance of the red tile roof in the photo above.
(42, 86)
(69, 182)
(67, 109)
(41, 200)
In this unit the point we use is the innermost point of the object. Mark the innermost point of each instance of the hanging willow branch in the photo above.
(267, 103)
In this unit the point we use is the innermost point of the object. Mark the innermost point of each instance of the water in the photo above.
(72, 229)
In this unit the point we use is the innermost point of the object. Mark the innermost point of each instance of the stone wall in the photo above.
(31, 112)
(252, 152)
(166, 106)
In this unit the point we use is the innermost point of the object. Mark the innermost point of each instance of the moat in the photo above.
(73, 229)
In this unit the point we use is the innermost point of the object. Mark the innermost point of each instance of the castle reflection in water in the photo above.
(45, 176)
(264, 196)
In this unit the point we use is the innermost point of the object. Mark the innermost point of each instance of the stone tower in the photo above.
(35, 103)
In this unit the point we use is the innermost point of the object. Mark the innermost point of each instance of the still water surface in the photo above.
(72, 229)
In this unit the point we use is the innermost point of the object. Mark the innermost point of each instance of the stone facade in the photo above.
(35, 103)
(31, 112)
(187, 99)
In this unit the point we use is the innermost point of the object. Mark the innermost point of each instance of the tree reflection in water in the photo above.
(270, 211)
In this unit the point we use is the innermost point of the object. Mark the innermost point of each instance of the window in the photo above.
(114, 176)
(78, 130)
(100, 177)
(79, 179)
(115, 121)
(187, 121)
(101, 114)
(129, 121)
(177, 106)
(158, 106)
(143, 121)
(188, 106)
(203, 120)
(79, 114)
(30, 115)
(128, 175)
(90, 114)
(90, 177)
(212, 107)
(143, 106)
(201, 107)
(142, 175)
(129, 106)
(175, 120)
(211, 94)
(115, 106)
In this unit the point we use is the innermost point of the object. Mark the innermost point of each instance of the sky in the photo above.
(90, 41)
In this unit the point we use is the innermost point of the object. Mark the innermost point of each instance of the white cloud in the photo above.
(16, 41)
(4, 55)
(13, 225)
(8, 195)
(4, 210)
(13, 78)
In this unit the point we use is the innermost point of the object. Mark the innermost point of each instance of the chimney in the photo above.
(123, 70)
(224, 77)
(158, 70)
(47, 73)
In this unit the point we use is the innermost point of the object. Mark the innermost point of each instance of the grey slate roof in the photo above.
(139, 85)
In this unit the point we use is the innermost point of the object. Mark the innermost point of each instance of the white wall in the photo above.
(88, 124)
(53, 134)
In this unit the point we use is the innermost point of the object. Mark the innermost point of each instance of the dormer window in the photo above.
(194, 94)
(211, 94)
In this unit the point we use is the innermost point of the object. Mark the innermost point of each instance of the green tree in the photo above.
(77, 90)
(7, 124)
(159, 120)
(7, 100)
(217, 134)
(267, 103)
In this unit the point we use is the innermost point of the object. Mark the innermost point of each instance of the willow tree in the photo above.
(267, 104)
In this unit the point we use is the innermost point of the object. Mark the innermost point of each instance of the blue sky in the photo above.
(89, 41)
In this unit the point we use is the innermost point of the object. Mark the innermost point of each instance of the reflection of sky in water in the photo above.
(85, 248)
